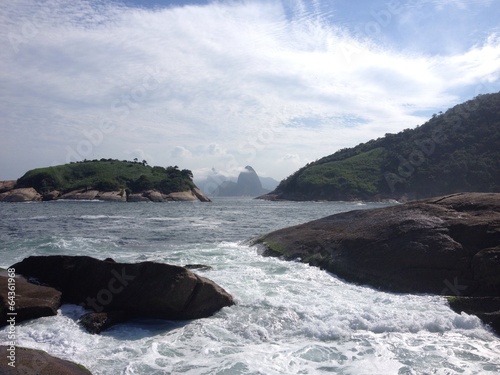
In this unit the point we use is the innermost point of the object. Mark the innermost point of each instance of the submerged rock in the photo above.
(32, 361)
(140, 290)
(447, 246)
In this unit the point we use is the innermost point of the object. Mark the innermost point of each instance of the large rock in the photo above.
(31, 301)
(82, 194)
(192, 195)
(147, 289)
(20, 195)
(7, 185)
(447, 246)
(32, 361)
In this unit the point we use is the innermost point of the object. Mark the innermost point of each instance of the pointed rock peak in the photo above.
(249, 169)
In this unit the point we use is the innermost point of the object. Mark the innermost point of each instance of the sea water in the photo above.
(289, 318)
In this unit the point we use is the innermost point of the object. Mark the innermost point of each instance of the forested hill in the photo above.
(106, 175)
(455, 151)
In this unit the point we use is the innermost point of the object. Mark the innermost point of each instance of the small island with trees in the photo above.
(104, 179)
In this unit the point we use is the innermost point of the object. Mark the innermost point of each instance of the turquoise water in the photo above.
(289, 318)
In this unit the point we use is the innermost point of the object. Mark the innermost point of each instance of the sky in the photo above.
(218, 85)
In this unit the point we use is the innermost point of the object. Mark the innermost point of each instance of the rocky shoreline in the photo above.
(447, 246)
(9, 193)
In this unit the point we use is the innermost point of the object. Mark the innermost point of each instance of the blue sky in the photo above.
(222, 84)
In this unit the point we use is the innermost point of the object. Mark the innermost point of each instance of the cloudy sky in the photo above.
(222, 84)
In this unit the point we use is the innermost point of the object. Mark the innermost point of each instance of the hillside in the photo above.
(130, 180)
(455, 151)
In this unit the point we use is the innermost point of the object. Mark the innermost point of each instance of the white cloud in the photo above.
(222, 85)
(180, 153)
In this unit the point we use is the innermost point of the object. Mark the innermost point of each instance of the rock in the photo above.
(137, 197)
(20, 195)
(446, 246)
(9, 194)
(31, 302)
(112, 196)
(96, 322)
(156, 196)
(52, 195)
(31, 361)
(7, 185)
(91, 194)
(81, 194)
(143, 290)
(200, 195)
(442, 245)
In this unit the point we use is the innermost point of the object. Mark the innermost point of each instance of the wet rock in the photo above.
(142, 290)
(96, 322)
(31, 361)
(446, 246)
(31, 301)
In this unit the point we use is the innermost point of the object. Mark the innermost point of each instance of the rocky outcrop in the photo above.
(7, 185)
(32, 361)
(181, 196)
(20, 195)
(31, 301)
(148, 289)
(8, 193)
(110, 196)
(446, 246)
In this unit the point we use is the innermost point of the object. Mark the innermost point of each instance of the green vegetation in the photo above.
(108, 175)
(357, 175)
(455, 151)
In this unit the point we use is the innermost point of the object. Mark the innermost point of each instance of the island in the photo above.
(106, 180)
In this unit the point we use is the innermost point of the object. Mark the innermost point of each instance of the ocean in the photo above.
(289, 318)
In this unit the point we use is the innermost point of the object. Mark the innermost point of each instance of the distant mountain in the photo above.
(248, 183)
(455, 151)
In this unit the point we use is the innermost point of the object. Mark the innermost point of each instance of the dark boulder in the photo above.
(31, 301)
(147, 289)
(447, 246)
(95, 322)
(31, 361)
